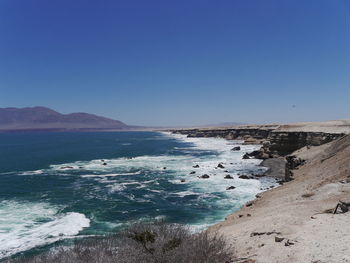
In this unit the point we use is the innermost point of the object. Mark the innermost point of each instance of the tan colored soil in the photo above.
(294, 212)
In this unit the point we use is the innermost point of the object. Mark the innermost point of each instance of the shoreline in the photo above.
(208, 154)
(294, 222)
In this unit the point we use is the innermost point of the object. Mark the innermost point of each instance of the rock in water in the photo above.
(221, 166)
(246, 156)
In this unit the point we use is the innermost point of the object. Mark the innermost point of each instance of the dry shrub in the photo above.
(143, 243)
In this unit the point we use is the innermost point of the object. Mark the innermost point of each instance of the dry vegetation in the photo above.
(143, 243)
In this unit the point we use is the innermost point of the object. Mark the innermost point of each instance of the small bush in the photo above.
(143, 243)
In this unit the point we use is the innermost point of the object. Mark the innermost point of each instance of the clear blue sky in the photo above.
(178, 62)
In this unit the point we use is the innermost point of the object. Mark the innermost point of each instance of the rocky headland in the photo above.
(306, 218)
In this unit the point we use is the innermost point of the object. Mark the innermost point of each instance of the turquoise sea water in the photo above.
(58, 186)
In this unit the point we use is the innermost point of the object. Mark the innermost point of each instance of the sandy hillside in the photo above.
(336, 126)
(294, 213)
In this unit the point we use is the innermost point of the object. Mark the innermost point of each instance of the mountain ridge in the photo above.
(43, 118)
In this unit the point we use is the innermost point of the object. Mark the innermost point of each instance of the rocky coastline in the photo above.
(300, 220)
(277, 145)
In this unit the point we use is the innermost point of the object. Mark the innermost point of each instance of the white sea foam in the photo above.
(25, 225)
(233, 165)
(176, 167)
(32, 172)
(109, 175)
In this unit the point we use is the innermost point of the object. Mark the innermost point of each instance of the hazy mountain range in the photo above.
(46, 119)
(42, 118)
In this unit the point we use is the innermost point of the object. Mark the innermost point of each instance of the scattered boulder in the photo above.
(244, 176)
(250, 203)
(228, 177)
(196, 166)
(246, 156)
(279, 239)
(193, 172)
(231, 187)
(220, 166)
(254, 153)
(344, 206)
(183, 180)
(204, 176)
(288, 243)
(264, 233)
(237, 148)
(259, 175)
(164, 168)
(104, 164)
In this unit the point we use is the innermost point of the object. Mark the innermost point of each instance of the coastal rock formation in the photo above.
(220, 165)
(299, 214)
(276, 142)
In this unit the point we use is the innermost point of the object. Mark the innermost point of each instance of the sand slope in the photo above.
(294, 212)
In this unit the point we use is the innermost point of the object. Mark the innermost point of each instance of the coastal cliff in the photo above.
(275, 141)
(300, 220)
(277, 144)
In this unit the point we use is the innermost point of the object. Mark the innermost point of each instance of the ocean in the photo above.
(55, 187)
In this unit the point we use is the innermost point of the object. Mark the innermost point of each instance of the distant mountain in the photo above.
(42, 118)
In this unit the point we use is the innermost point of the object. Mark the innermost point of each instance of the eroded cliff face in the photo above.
(274, 142)
(285, 143)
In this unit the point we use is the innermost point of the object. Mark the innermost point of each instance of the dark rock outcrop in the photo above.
(220, 165)
(246, 156)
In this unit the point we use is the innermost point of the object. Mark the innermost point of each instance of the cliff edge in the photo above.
(296, 221)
